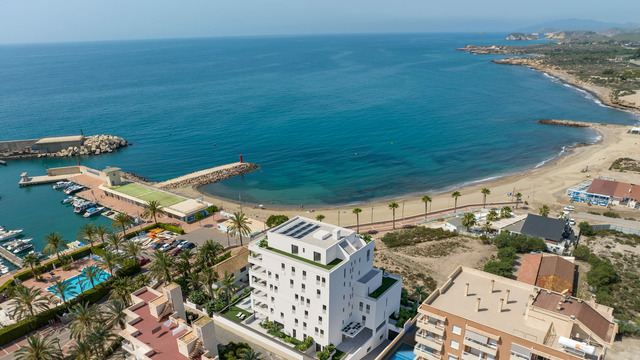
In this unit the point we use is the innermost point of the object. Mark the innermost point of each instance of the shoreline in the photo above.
(544, 184)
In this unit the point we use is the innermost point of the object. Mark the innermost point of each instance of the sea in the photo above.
(331, 120)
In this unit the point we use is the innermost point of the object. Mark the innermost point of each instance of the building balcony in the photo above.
(424, 324)
(257, 269)
(423, 338)
(469, 356)
(519, 357)
(258, 283)
(426, 352)
(486, 348)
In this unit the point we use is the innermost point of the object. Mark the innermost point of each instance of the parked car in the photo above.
(166, 247)
(108, 213)
(156, 246)
(176, 251)
(180, 243)
(189, 245)
(569, 208)
(572, 222)
(143, 261)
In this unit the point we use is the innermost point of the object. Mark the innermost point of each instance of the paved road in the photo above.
(599, 219)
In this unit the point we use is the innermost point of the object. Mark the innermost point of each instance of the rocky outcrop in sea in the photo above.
(213, 177)
(92, 145)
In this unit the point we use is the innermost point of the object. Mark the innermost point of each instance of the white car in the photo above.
(569, 208)
(572, 222)
(165, 247)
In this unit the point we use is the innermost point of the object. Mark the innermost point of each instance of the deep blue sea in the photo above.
(330, 119)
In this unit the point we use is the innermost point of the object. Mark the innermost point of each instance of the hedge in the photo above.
(27, 274)
(162, 226)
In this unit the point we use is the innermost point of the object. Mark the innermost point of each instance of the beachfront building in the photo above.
(316, 279)
(156, 328)
(604, 191)
(556, 233)
(549, 271)
(477, 315)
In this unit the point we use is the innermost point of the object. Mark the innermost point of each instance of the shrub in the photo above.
(501, 268)
(611, 214)
(275, 220)
(586, 229)
(198, 297)
(234, 351)
(222, 257)
(602, 274)
(582, 252)
(130, 268)
(415, 235)
(507, 253)
(522, 243)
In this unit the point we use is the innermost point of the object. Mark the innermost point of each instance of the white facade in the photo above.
(316, 279)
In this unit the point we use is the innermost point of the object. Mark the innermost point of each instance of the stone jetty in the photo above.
(208, 176)
(92, 145)
(569, 123)
(61, 146)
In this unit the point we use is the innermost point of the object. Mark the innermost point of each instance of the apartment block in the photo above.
(477, 315)
(318, 280)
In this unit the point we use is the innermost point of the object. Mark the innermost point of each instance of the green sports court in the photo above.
(148, 194)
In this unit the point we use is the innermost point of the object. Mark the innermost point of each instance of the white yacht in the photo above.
(68, 199)
(80, 207)
(15, 243)
(93, 211)
(22, 248)
(8, 235)
(62, 185)
(73, 188)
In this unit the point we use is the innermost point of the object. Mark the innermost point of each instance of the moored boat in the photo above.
(93, 211)
(80, 207)
(68, 199)
(8, 235)
(22, 248)
(13, 244)
(61, 185)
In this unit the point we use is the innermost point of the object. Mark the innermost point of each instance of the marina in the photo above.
(25, 180)
(11, 257)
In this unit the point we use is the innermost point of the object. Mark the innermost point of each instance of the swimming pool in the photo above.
(404, 352)
(79, 284)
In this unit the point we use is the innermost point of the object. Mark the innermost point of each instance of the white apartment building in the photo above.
(318, 280)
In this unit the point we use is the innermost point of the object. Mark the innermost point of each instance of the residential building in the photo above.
(557, 233)
(237, 265)
(156, 328)
(476, 315)
(318, 280)
(549, 271)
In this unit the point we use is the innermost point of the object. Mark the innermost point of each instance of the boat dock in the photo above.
(11, 257)
(2, 162)
(25, 180)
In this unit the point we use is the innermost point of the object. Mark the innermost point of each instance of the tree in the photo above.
(487, 227)
(184, 262)
(320, 217)
(133, 248)
(455, 195)
(115, 240)
(162, 266)
(54, 242)
(101, 232)
(152, 209)
(121, 290)
(227, 286)
(101, 336)
(418, 292)
(40, 348)
(208, 252)
(602, 274)
(63, 289)
(518, 198)
(90, 273)
(122, 221)
(82, 350)
(505, 212)
(212, 210)
(31, 261)
(492, 216)
(109, 261)
(250, 354)
(485, 192)
(240, 225)
(88, 232)
(198, 217)
(83, 317)
(544, 211)
(115, 314)
(207, 278)
(357, 211)
(275, 220)
(582, 252)
(141, 280)
(586, 229)
(27, 301)
(426, 199)
(500, 268)
(393, 206)
(468, 221)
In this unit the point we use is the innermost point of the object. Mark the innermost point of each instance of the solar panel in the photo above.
(307, 231)
(285, 232)
(298, 231)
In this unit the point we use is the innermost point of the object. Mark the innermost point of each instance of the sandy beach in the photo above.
(543, 185)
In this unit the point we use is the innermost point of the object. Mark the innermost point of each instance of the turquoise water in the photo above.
(330, 119)
(404, 352)
(80, 285)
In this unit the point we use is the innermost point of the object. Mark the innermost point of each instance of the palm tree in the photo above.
(518, 197)
(485, 192)
(505, 212)
(468, 220)
(31, 261)
(82, 350)
(212, 210)
(54, 243)
(40, 348)
(544, 211)
(320, 217)
(101, 336)
(418, 291)
(63, 289)
(162, 266)
(250, 354)
(357, 211)
(426, 200)
(487, 227)
(122, 220)
(184, 262)
(141, 280)
(109, 261)
(88, 232)
(208, 252)
(132, 248)
(115, 240)
(393, 206)
(455, 195)
(90, 273)
(207, 278)
(101, 232)
(492, 215)
(240, 225)
(83, 318)
(27, 301)
(152, 209)
(121, 290)
(227, 286)
(194, 279)
(115, 314)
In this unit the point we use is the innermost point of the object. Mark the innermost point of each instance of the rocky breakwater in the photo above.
(569, 123)
(199, 179)
(92, 145)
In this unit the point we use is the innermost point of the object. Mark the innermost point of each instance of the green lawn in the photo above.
(386, 284)
(233, 311)
(147, 194)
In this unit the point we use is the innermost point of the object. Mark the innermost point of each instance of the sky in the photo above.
(29, 21)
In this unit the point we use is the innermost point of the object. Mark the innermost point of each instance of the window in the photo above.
(457, 330)
(291, 282)
(455, 345)
(364, 319)
(317, 277)
(293, 270)
(308, 302)
(297, 296)
(321, 332)
(451, 357)
(368, 254)
(324, 281)
(277, 277)
(306, 313)
(281, 314)
(324, 308)
(320, 320)
(304, 272)
(304, 325)
(316, 256)
(303, 287)
(318, 292)
(361, 305)
(293, 307)
(296, 322)
(294, 249)
(368, 308)
(282, 266)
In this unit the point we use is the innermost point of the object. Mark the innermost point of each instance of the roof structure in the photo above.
(544, 227)
(312, 232)
(615, 189)
(529, 268)
(548, 271)
(239, 259)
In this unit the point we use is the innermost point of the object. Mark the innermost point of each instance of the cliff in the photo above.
(520, 36)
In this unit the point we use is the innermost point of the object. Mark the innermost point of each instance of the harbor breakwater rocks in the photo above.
(569, 123)
(212, 177)
(92, 145)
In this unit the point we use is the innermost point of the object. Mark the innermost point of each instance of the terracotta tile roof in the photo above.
(627, 191)
(556, 274)
(529, 269)
(603, 187)
(583, 312)
(615, 189)
(239, 259)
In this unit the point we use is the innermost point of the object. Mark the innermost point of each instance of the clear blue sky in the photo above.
(23, 21)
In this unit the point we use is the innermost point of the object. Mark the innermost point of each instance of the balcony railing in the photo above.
(430, 339)
(426, 352)
(469, 356)
(487, 348)
(425, 324)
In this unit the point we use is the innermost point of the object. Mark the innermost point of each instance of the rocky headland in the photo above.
(520, 36)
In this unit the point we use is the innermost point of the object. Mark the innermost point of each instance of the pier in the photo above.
(208, 176)
(25, 180)
(11, 257)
